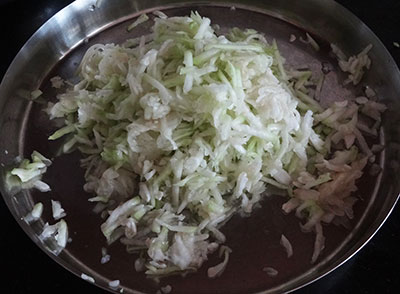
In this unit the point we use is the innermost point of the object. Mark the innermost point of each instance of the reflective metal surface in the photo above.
(57, 47)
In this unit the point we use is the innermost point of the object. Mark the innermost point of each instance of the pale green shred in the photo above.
(141, 19)
(28, 174)
(58, 232)
(312, 42)
(187, 128)
(35, 213)
(36, 94)
(355, 65)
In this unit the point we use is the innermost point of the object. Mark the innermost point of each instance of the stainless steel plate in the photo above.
(57, 47)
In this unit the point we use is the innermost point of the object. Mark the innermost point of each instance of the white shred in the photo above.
(35, 214)
(319, 243)
(114, 284)
(287, 245)
(166, 289)
(140, 264)
(362, 100)
(270, 271)
(218, 269)
(292, 38)
(58, 231)
(58, 211)
(320, 83)
(98, 3)
(104, 259)
(312, 42)
(369, 92)
(57, 82)
(104, 256)
(87, 278)
(62, 234)
(160, 14)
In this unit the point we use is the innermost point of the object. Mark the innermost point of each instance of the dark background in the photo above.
(26, 269)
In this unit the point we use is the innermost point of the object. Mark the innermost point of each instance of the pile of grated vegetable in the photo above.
(184, 128)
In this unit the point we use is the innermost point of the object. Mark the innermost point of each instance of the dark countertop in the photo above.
(26, 269)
